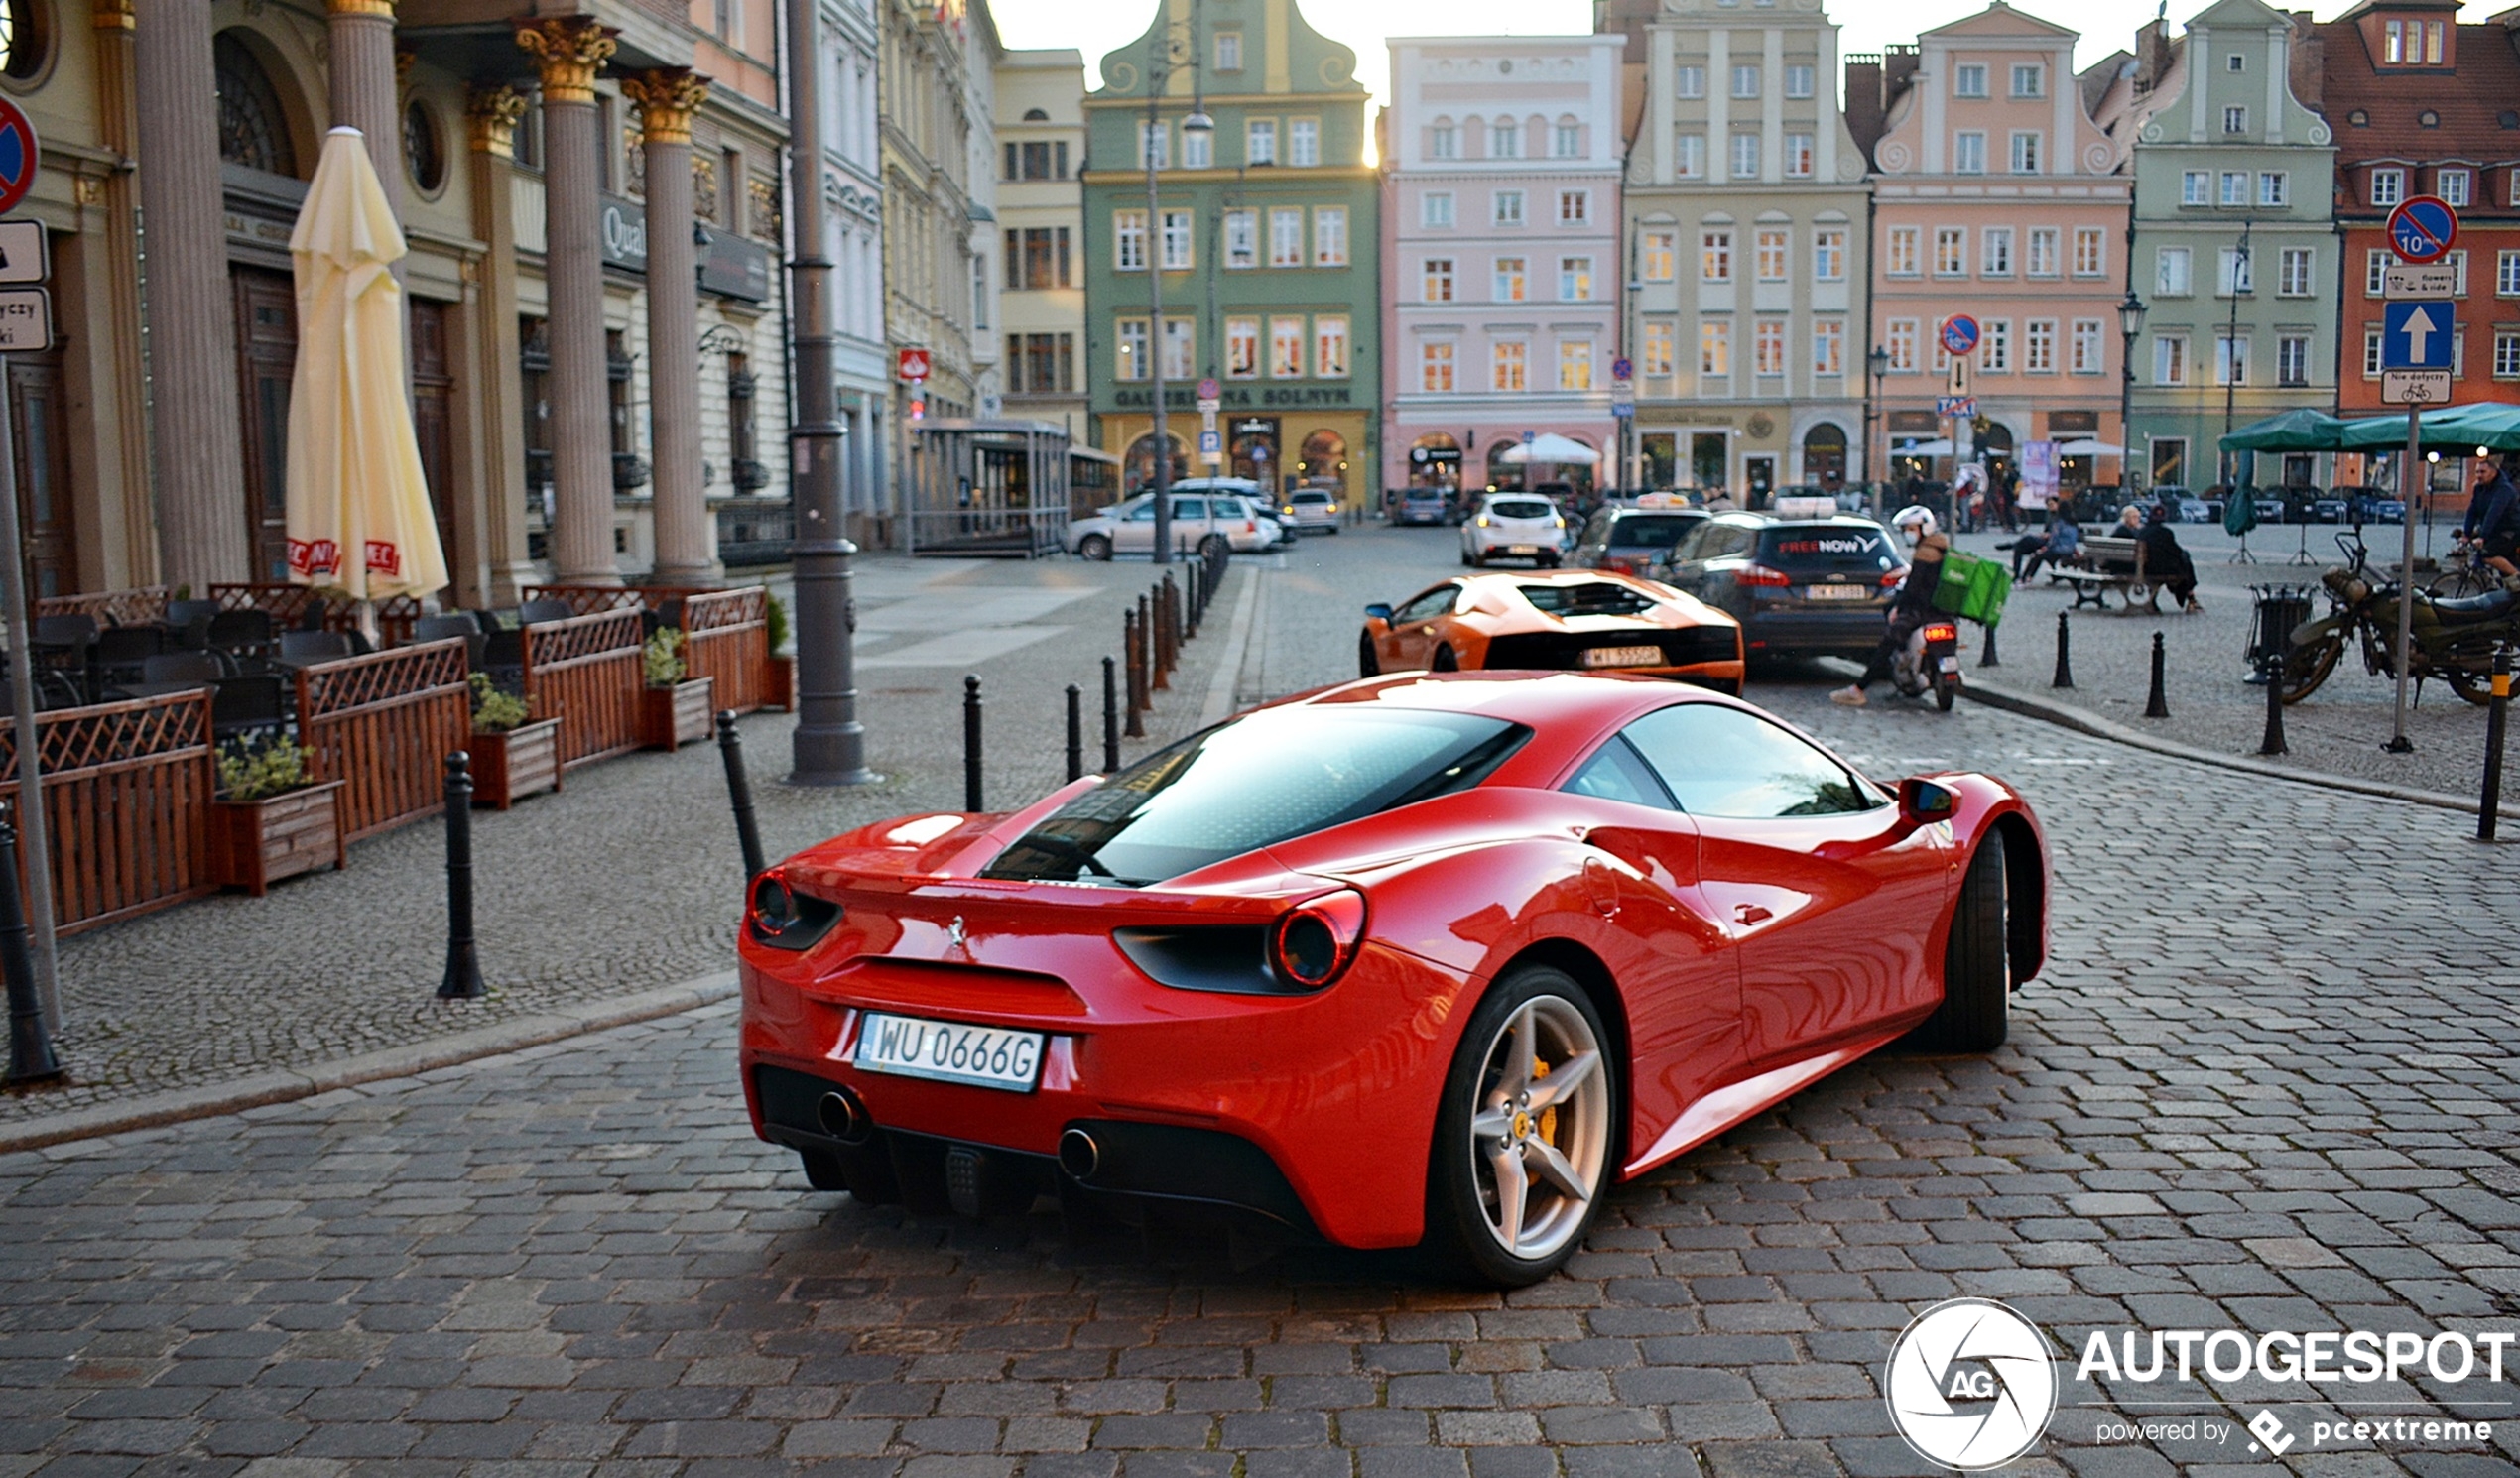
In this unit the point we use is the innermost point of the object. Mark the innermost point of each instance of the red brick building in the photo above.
(2424, 105)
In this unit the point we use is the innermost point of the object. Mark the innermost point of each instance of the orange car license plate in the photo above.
(1622, 657)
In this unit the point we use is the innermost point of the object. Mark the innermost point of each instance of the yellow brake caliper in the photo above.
(1549, 1115)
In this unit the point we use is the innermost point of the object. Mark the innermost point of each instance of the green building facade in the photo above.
(1267, 233)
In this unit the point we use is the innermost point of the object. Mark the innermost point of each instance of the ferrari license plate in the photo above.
(950, 1052)
(1837, 592)
(1622, 657)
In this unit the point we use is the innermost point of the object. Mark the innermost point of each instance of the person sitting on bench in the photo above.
(2062, 545)
(2161, 562)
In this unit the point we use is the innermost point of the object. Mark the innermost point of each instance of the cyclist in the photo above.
(2493, 518)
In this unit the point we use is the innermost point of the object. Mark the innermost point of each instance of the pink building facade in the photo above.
(1996, 196)
(1500, 252)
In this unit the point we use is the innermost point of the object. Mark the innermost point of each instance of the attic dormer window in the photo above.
(2361, 119)
(2236, 63)
(2429, 119)
(2411, 44)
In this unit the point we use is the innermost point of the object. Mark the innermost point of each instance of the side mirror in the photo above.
(1921, 802)
(1378, 611)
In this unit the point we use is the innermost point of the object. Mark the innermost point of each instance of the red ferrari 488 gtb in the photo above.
(1432, 958)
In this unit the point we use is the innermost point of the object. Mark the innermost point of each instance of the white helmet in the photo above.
(1916, 516)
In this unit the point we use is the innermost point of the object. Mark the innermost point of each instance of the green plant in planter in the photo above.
(250, 773)
(663, 656)
(494, 709)
(776, 620)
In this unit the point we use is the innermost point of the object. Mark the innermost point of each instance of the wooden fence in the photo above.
(728, 631)
(136, 607)
(385, 724)
(127, 789)
(588, 670)
(287, 605)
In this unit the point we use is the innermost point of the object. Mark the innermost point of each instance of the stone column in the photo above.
(667, 98)
(360, 38)
(196, 433)
(126, 550)
(568, 52)
(492, 115)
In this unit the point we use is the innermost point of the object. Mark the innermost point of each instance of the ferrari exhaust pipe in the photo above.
(1079, 1155)
(843, 1117)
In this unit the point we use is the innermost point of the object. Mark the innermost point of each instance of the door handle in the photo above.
(1750, 914)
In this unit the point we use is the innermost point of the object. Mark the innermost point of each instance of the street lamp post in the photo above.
(2130, 322)
(1878, 361)
(2229, 353)
(1168, 58)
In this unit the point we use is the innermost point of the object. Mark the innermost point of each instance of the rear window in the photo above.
(1264, 777)
(1519, 508)
(1312, 497)
(1651, 531)
(1830, 547)
(1590, 599)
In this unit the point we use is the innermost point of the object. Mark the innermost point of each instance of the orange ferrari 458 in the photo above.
(1584, 620)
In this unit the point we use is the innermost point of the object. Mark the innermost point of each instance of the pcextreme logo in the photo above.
(1971, 1385)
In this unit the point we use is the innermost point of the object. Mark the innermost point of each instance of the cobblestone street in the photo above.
(2265, 1083)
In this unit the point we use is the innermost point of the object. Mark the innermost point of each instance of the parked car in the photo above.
(1128, 527)
(2372, 506)
(2188, 509)
(1514, 526)
(1566, 621)
(1312, 509)
(1261, 503)
(1423, 506)
(1629, 538)
(1801, 587)
(2332, 508)
(1433, 960)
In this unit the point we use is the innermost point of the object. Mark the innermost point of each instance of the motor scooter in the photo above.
(1930, 663)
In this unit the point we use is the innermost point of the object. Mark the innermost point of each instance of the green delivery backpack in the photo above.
(1972, 588)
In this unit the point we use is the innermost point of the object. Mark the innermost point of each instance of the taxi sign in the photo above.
(2421, 229)
(18, 156)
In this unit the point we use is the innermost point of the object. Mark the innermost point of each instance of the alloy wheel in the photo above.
(1540, 1130)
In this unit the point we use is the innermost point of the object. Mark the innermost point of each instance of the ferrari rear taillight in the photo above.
(1317, 940)
(1761, 575)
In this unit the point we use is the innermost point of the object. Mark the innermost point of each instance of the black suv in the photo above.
(1799, 587)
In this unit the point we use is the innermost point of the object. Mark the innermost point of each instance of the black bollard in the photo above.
(2489, 806)
(2065, 652)
(971, 743)
(1150, 649)
(2157, 704)
(730, 747)
(463, 980)
(1190, 599)
(1110, 716)
(2271, 741)
(31, 1059)
(1986, 657)
(1075, 731)
(1133, 650)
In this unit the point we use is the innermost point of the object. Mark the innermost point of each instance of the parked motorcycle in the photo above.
(1930, 661)
(2449, 639)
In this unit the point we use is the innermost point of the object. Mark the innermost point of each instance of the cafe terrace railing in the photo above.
(127, 789)
(727, 631)
(287, 605)
(136, 607)
(384, 724)
(587, 670)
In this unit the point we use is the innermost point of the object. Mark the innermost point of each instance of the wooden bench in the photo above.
(2106, 565)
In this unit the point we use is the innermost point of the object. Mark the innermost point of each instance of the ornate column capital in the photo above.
(568, 52)
(666, 96)
(381, 8)
(492, 115)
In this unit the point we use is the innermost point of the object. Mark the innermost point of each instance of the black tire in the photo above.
(1947, 692)
(1094, 547)
(1445, 661)
(1462, 1237)
(1976, 967)
(2475, 687)
(2305, 668)
(1369, 660)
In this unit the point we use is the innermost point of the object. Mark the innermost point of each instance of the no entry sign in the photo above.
(18, 156)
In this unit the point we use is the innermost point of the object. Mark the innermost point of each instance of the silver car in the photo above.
(1129, 527)
(1314, 509)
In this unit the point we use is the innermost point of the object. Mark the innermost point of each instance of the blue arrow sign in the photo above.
(2421, 229)
(2416, 336)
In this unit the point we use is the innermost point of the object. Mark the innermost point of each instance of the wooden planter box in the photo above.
(779, 683)
(508, 767)
(256, 843)
(670, 718)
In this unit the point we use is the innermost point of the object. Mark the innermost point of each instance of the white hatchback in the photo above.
(1514, 526)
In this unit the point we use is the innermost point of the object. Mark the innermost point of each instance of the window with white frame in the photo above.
(1128, 240)
(1131, 348)
(1829, 347)
(1745, 80)
(2515, 187)
(1434, 367)
(1437, 280)
(1828, 254)
(2025, 150)
(1180, 351)
(2088, 356)
(1509, 280)
(2170, 359)
(1799, 79)
(1286, 236)
(1260, 141)
(1901, 255)
(2046, 252)
(2235, 61)
(2452, 186)
(1689, 156)
(2388, 187)
(1329, 236)
(1330, 346)
(1575, 279)
(2231, 359)
(2236, 119)
(1714, 348)
(1505, 139)
(1177, 240)
(2507, 274)
(1994, 347)
(1509, 366)
(2456, 262)
(1767, 342)
(2507, 353)
(2235, 187)
(2039, 347)
(1242, 348)
(1243, 239)
(1509, 208)
(2234, 273)
(2195, 187)
(1198, 148)
(1574, 364)
(1156, 144)
(1566, 140)
(2292, 359)
(1658, 256)
(1574, 207)
(1304, 142)
(2171, 276)
(1899, 337)
(2375, 270)
(1229, 51)
(1968, 151)
(1994, 252)
(1968, 80)
(2029, 80)
(2294, 271)
(1286, 348)
(1689, 81)
(2371, 353)
(2274, 188)
(1443, 141)
(2411, 44)
(1798, 155)
(1745, 156)
(1768, 246)
(1715, 256)
(1656, 356)
(1435, 209)
(2090, 251)
(1950, 251)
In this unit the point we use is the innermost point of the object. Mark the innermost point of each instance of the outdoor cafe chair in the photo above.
(68, 645)
(120, 651)
(453, 624)
(303, 648)
(246, 706)
(536, 612)
(183, 614)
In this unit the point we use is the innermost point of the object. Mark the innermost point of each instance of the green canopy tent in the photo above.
(2303, 430)
(2494, 426)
